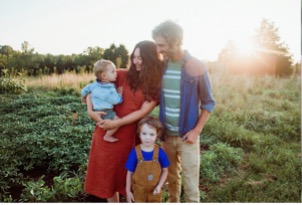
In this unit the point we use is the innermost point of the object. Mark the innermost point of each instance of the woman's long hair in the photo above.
(149, 77)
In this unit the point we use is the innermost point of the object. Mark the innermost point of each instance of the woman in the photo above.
(106, 173)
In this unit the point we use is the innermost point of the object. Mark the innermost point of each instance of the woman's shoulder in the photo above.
(121, 71)
(121, 76)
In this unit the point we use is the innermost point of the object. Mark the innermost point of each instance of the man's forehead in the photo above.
(159, 40)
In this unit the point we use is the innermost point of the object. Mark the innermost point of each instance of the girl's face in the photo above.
(148, 135)
(137, 59)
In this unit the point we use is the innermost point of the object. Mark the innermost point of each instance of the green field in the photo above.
(251, 145)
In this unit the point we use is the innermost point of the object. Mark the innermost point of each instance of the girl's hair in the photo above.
(153, 122)
(170, 31)
(100, 66)
(149, 77)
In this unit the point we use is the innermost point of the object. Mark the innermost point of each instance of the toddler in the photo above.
(104, 94)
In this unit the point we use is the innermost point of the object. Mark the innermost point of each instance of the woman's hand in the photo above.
(108, 124)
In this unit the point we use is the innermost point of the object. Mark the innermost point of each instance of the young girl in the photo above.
(104, 94)
(147, 164)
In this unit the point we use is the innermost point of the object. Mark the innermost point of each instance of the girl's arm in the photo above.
(94, 115)
(145, 109)
(161, 181)
(129, 193)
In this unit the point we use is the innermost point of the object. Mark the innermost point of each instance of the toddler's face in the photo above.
(148, 135)
(110, 73)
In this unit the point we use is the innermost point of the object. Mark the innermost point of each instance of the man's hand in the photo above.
(191, 136)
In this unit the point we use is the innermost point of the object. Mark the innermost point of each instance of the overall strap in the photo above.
(155, 152)
(139, 155)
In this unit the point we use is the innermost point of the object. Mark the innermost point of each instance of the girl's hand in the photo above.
(157, 190)
(130, 197)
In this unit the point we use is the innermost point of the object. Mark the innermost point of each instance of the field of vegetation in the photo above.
(250, 147)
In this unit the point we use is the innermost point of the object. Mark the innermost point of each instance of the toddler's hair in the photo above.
(100, 66)
(153, 122)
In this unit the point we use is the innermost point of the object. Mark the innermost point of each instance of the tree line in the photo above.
(270, 56)
(32, 63)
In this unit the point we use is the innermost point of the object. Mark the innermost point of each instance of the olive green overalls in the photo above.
(146, 177)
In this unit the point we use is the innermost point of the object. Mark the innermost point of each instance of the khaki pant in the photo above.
(146, 177)
(186, 158)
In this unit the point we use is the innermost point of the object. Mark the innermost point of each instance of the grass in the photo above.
(260, 115)
(71, 81)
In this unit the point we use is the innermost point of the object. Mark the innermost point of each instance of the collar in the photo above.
(184, 59)
(186, 56)
(103, 83)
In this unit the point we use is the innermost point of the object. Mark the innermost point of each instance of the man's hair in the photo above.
(170, 31)
(100, 66)
(153, 122)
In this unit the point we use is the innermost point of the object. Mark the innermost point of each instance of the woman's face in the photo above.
(137, 59)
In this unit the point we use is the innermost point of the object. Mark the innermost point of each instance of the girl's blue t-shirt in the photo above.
(132, 159)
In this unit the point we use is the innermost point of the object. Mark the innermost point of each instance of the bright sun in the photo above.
(245, 48)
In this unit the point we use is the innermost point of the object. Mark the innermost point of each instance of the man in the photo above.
(185, 106)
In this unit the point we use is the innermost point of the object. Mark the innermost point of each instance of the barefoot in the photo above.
(110, 139)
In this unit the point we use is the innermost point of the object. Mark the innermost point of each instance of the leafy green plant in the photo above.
(66, 188)
(37, 191)
(40, 129)
(9, 84)
(63, 189)
(6, 198)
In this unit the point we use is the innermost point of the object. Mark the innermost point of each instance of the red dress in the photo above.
(106, 172)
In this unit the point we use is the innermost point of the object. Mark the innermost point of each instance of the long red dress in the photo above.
(106, 172)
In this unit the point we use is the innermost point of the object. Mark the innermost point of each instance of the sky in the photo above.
(71, 26)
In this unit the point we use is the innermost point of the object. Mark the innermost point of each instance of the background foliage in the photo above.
(34, 64)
